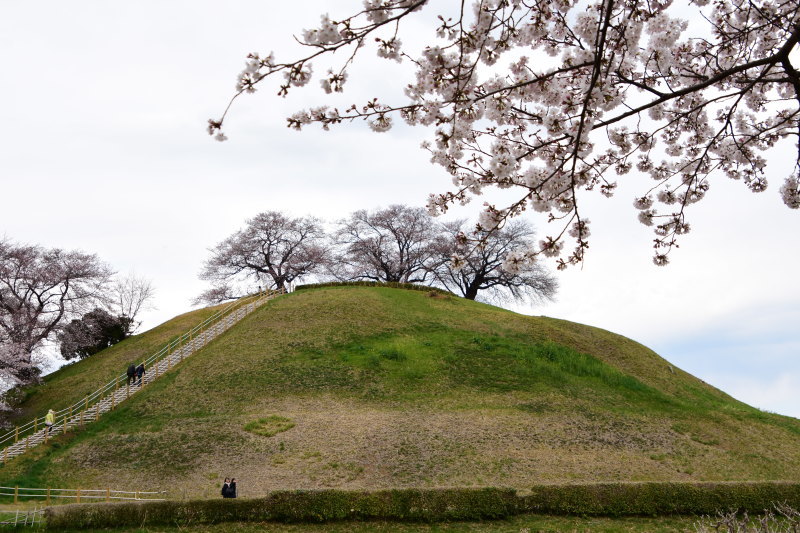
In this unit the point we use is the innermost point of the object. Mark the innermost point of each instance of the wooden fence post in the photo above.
(108, 494)
(97, 411)
(16, 494)
(16, 433)
(35, 425)
(27, 441)
(78, 495)
(48, 495)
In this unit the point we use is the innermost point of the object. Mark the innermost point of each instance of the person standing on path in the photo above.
(232, 488)
(131, 373)
(140, 373)
(49, 421)
(226, 488)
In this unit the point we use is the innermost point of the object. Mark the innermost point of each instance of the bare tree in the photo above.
(392, 244)
(553, 99)
(272, 249)
(40, 288)
(132, 294)
(465, 268)
(222, 291)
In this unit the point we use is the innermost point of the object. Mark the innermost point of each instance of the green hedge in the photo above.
(653, 499)
(433, 505)
(391, 284)
(436, 505)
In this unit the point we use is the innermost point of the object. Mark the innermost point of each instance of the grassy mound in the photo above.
(369, 388)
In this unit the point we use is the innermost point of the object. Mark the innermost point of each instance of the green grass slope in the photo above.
(73, 382)
(378, 387)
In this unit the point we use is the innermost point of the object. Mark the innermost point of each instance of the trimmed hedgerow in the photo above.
(390, 284)
(652, 499)
(431, 505)
(437, 505)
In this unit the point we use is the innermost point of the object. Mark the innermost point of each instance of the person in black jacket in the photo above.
(232, 488)
(139, 373)
(226, 488)
(131, 373)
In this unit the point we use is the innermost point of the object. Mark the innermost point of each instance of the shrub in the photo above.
(652, 499)
(427, 505)
(778, 520)
(438, 505)
(92, 333)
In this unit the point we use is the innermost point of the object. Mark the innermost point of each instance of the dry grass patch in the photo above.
(269, 426)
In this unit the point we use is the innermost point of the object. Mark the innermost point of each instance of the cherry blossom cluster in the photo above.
(39, 289)
(15, 360)
(554, 99)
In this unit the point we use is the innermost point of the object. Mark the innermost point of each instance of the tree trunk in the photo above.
(472, 290)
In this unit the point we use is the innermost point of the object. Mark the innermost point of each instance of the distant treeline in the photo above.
(398, 244)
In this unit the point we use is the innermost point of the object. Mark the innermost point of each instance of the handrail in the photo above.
(90, 400)
(89, 494)
(99, 393)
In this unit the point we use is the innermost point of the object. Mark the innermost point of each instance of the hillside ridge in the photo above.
(363, 387)
(106, 398)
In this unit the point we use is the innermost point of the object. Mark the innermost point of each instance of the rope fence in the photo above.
(79, 495)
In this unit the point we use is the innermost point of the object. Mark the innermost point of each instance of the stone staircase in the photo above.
(23, 438)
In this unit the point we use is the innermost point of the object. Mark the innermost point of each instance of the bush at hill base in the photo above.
(431, 505)
(436, 505)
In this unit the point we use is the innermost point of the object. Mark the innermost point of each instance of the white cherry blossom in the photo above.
(591, 92)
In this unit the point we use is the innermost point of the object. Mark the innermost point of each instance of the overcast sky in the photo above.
(103, 148)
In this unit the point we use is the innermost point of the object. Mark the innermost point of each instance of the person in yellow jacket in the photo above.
(49, 420)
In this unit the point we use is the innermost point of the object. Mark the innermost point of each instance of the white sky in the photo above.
(103, 148)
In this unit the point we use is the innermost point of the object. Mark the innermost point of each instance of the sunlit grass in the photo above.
(406, 390)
